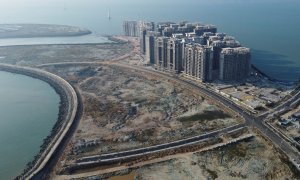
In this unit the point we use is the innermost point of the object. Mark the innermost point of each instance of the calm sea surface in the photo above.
(29, 107)
(270, 27)
(28, 110)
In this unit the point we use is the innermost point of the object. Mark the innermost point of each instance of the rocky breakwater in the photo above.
(67, 113)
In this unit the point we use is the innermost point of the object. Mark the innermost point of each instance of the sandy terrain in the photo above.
(124, 110)
(35, 55)
(255, 159)
(39, 30)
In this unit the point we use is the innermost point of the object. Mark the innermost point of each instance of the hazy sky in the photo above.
(24, 4)
(20, 3)
(259, 24)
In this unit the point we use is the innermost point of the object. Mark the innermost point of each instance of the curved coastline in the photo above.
(67, 113)
(40, 30)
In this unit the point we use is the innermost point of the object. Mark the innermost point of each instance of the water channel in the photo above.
(28, 110)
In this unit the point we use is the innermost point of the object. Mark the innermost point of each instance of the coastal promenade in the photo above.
(69, 101)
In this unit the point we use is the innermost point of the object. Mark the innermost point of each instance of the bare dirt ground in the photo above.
(124, 110)
(39, 30)
(254, 159)
(41, 54)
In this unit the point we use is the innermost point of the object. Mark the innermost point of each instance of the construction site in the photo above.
(124, 109)
(251, 159)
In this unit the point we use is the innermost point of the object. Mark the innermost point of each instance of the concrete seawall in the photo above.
(67, 113)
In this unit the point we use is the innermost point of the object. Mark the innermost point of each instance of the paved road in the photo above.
(157, 148)
(285, 105)
(71, 109)
(250, 119)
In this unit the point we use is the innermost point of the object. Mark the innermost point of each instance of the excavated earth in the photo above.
(125, 110)
(41, 54)
(253, 159)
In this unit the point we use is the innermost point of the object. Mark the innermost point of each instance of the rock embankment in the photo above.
(67, 112)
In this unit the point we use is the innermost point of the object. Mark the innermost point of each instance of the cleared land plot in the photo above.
(254, 159)
(125, 110)
(41, 54)
(39, 30)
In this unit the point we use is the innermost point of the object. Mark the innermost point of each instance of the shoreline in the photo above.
(67, 111)
(47, 35)
(111, 41)
(119, 39)
(64, 102)
(285, 82)
(75, 44)
(40, 30)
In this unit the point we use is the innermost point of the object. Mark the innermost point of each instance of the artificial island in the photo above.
(165, 100)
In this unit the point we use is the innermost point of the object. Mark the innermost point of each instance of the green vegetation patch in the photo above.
(205, 115)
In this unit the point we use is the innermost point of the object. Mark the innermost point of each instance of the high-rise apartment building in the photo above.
(131, 28)
(150, 46)
(144, 27)
(143, 34)
(189, 59)
(199, 30)
(234, 64)
(161, 44)
(195, 49)
(174, 55)
(198, 61)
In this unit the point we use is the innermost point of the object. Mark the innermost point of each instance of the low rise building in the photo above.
(296, 115)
